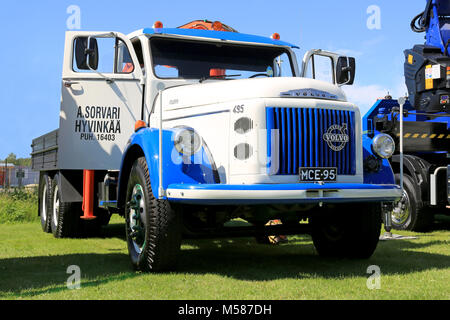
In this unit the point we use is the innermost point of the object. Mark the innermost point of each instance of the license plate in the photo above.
(318, 174)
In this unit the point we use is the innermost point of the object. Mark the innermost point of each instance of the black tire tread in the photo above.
(163, 235)
(360, 225)
(68, 218)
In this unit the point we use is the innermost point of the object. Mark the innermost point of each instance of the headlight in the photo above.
(187, 142)
(383, 145)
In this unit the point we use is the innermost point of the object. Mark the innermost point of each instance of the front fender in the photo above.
(384, 175)
(177, 169)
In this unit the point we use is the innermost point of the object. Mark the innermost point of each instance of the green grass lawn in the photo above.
(33, 266)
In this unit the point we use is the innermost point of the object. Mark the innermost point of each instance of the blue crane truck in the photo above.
(426, 136)
(180, 130)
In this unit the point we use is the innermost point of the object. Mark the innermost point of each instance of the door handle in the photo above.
(69, 84)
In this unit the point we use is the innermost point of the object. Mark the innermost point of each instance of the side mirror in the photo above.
(345, 71)
(86, 56)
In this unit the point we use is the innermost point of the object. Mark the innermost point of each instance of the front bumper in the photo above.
(223, 194)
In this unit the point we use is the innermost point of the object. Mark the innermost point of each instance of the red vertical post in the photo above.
(88, 195)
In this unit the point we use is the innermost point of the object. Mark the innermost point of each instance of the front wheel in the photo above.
(153, 227)
(350, 231)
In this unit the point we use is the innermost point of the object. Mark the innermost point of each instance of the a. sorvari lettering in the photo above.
(87, 136)
(97, 126)
(98, 120)
(99, 113)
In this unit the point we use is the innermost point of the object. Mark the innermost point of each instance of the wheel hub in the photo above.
(44, 203)
(402, 210)
(56, 206)
(137, 224)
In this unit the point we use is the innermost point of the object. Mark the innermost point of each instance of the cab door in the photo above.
(102, 90)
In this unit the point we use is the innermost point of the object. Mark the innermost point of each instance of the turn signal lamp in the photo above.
(158, 25)
(276, 36)
(139, 125)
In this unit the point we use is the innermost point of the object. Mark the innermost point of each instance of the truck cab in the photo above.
(183, 130)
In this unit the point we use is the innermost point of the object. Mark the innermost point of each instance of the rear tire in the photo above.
(350, 231)
(410, 214)
(153, 228)
(45, 184)
(65, 218)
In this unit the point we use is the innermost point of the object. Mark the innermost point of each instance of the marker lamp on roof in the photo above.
(217, 26)
(158, 25)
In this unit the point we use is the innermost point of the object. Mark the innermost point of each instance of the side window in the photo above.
(137, 46)
(283, 67)
(124, 62)
(320, 68)
(113, 57)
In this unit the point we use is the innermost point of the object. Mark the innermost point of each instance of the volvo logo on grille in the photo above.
(336, 137)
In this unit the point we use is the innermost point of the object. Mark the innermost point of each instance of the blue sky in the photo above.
(33, 43)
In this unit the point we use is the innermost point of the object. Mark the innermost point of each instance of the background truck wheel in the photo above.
(45, 185)
(153, 228)
(350, 231)
(65, 217)
(409, 213)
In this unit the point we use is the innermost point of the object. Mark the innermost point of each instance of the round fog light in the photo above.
(383, 145)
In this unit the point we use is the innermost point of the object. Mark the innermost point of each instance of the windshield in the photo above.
(181, 59)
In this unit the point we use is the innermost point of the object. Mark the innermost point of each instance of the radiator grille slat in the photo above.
(301, 139)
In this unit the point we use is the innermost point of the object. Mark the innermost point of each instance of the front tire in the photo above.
(153, 228)
(350, 231)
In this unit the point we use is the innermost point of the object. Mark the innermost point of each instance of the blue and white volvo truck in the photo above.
(182, 130)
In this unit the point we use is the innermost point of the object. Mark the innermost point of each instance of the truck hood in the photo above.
(219, 91)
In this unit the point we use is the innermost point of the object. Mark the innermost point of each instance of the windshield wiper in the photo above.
(219, 77)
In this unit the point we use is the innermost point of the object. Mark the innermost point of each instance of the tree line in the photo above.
(21, 162)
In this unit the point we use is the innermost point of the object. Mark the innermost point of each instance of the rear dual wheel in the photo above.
(45, 185)
(65, 219)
